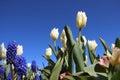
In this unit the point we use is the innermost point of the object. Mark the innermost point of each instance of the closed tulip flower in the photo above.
(115, 57)
(19, 50)
(54, 34)
(113, 46)
(2, 51)
(28, 65)
(92, 45)
(48, 52)
(81, 19)
(63, 39)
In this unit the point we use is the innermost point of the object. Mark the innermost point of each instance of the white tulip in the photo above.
(28, 65)
(115, 57)
(48, 52)
(2, 51)
(113, 46)
(63, 39)
(92, 45)
(81, 19)
(54, 34)
(19, 50)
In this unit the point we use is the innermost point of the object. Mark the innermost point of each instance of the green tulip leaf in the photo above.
(54, 51)
(76, 51)
(105, 45)
(56, 70)
(116, 76)
(50, 61)
(93, 70)
(91, 55)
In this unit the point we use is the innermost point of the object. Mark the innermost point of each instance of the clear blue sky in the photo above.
(29, 22)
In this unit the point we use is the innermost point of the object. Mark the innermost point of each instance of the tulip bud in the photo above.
(81, 19)
(115, 57)
(2, 51)
(48, 53)
(63, 39)
(54, 34)
(92, 45)
(113, 46)
(28, 65)
(19, 50)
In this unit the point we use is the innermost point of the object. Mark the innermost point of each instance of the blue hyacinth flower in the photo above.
(20, 65)
(2, 69)
(34, 66)
(11, 51)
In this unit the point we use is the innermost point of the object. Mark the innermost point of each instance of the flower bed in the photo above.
(71, 59)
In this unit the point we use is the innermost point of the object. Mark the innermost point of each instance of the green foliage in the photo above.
(104, 45)
(71, 62)
(77, 50)
(56, 70)
(91, 55)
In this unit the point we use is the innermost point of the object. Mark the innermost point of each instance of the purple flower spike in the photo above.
(9, 77)
(37, 77)
(20, 65)
(34, 66)
(2, 71)
(11, 51)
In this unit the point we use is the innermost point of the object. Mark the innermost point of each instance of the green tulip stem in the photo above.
(79, 36)
(12, 73)
(55, 44)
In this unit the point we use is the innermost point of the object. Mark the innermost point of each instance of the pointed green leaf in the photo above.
(66, 60)
(77, 50)
(56, 70)
(105, 45)
(90, 70)
(60, 52)
(78, 58)
(70, 63)
(72, 77)
(91, 55)
(70, 60)
(68, 78)
(116, 76)
(54, 51)
(95, 75)
(50, 61)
